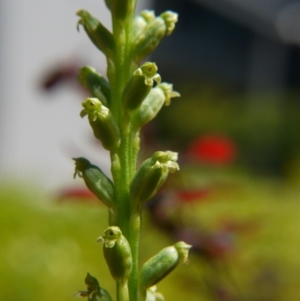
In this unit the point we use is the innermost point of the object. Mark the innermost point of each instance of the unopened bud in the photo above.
(99, 34)
(151, 175)
(96, 84)
(95, 180)
(151, 105)
(160, 265)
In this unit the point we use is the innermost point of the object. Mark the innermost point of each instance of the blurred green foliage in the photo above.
(48, 247)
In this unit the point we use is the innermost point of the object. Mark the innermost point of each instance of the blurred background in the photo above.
(236, 126)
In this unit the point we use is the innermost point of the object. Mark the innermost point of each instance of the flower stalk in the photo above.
(118, 108)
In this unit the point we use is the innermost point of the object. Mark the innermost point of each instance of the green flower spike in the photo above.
(151, 105)
(117, 253)
(151, 175)
(148, 38)
(96, 84)
(139, 85)
(170, 19)
(163, 263)
(94, 291)
(95, 180)
(98, 34)
(102, 122)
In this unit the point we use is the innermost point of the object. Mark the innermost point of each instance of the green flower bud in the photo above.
(150, 36)
(170, 19)
(94, 291)
(151, 105)
(151, 175)
(96, 84)
(139, 85)
(160, 265)
(99, 35)
(141, 21)
(117, 253)
(95, 180)
(102, 122)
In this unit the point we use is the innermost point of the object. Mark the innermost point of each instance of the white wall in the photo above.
(40, 132)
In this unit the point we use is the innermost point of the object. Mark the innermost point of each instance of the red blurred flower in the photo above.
(213, 149)
(193, 195)
(74, 194)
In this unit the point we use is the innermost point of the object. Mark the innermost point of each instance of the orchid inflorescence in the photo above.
(117, 109)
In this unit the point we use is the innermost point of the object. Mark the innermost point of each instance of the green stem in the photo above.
(122, 291)
(135, 225)
(124, 160)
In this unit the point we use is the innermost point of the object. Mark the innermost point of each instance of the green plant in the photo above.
(117, 110)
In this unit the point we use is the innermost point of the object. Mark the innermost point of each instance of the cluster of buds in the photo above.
(112, 115)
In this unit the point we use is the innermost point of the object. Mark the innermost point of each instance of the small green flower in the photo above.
(139, 85)
(102, 122)
(117, 253)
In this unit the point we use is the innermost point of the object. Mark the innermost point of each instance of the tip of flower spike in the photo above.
(170, 19)
(148, 15)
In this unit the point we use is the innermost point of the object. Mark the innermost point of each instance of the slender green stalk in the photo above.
(122, 291)
(127, 154)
